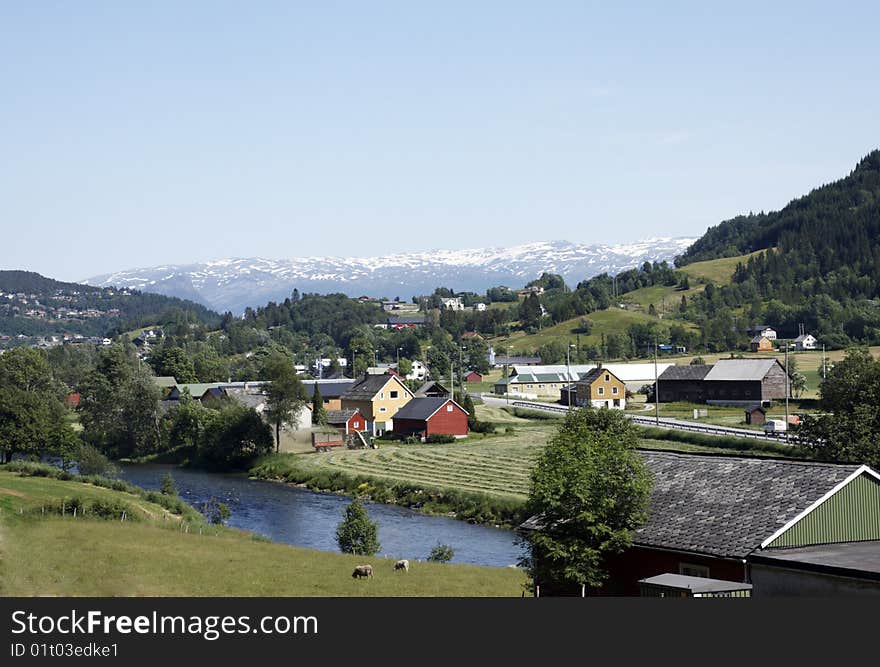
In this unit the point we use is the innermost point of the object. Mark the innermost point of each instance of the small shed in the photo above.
(681, 586)
(350, 421)
(473, 376)
(756, 415)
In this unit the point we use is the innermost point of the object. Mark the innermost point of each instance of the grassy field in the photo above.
(718, 414)
(42, 556)
(609, 321)
(497, 467)
(615, 320)
(719, 271)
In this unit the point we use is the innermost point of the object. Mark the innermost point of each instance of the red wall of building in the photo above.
(625, 570)
(440, 423)
(448, 423)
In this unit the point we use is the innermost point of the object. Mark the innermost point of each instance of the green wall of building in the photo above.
(850, 515)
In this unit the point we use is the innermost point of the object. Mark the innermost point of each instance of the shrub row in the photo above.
(170, 503)
(532, 414)
(722, 442)
(93, 508)
(469, 506)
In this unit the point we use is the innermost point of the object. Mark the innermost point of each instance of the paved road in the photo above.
(644, 420)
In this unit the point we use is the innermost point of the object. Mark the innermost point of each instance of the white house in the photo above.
(805, 342)
(418, 372)
(451, 303)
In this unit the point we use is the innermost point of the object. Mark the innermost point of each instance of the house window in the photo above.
(613, 390)
(406, 394)
(383, 409)
(541, 386)
(448, 408)
(691, 570)
(607, 377)
(356, 424)
(392, 394)
(382, 395)
(600, 391)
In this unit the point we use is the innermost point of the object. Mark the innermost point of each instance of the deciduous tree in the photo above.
(589, 490)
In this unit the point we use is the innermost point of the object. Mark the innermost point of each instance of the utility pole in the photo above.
(461, 350)
(451, 382)
(568, 373)
(787, 390)
(656, 388)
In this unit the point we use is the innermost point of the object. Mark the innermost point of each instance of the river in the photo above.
(304, 518)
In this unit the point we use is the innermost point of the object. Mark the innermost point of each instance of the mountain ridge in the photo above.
(237, 283)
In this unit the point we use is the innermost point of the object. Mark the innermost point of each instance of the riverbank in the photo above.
(157, 552)
(467, 506)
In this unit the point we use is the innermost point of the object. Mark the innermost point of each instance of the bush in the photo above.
(92, 462)
(483, 427)
(440, 439)
(441, 553)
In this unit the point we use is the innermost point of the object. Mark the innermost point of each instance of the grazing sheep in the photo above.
(402, 565)
(362, 571)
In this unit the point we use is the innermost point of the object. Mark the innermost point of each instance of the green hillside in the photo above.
(614, 320)
(47, 554)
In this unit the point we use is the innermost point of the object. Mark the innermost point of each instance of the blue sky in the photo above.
(137, 134)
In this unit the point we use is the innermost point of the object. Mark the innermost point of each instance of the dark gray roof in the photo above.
(590, 376)
(331, 389)
(366, 388)
(340, 416)
(741, 369)
(406, 319)
(694, 372)
(431, 385)
(726, 506)
(421, 407)
(847, 559)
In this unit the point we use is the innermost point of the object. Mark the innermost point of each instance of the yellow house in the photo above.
(761, 344)
(378, 397)
(600, 388)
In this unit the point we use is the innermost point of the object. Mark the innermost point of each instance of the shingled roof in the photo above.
(726, 506)
(329, 388)
(367, 387)
(689, 372)
(422, 407)
(340, 416)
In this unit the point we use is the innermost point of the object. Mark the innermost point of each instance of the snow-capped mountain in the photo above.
(233, 284)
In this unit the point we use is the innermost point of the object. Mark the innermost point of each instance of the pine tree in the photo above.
(319, 413)
(357, 534)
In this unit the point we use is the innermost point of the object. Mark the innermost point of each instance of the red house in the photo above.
(72, 400)
(426, 416)
(350, 421)
(473, 376)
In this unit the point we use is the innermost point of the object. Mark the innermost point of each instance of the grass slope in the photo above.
(93, 557)
(615, 320)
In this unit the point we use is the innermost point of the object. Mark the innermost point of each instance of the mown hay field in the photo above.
(497, 466)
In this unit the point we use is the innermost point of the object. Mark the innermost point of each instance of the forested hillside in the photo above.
(33, 305)
(838, 224)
